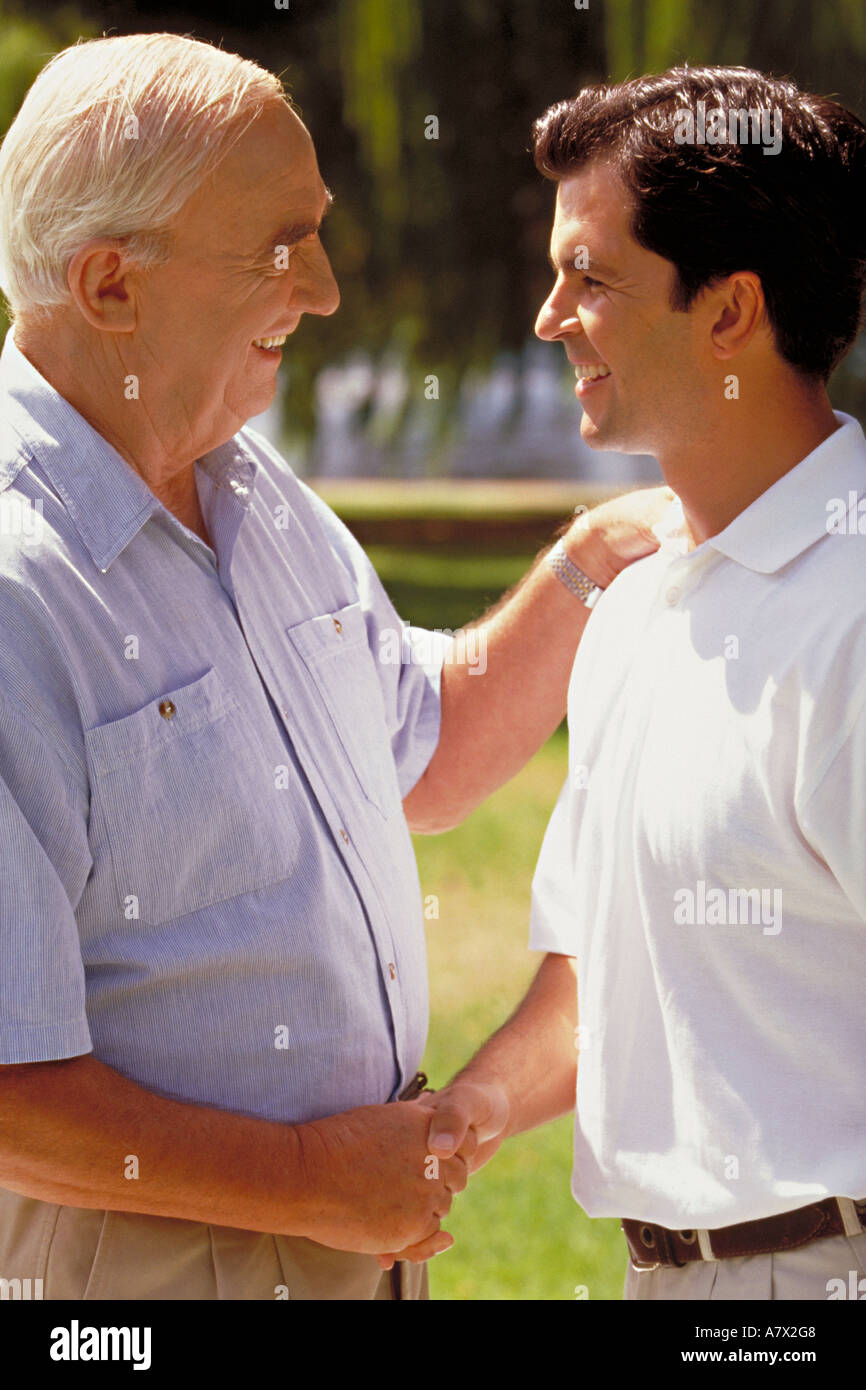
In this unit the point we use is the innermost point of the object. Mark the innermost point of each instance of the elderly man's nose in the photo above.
(316, 290)
(331, 300)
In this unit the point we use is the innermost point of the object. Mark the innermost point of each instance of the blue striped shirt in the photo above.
(206, 876)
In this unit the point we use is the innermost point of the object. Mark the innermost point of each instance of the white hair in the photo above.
(111, 140)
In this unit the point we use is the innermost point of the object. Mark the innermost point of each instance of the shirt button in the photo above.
(166, 709)
(672, 596)
(392, 970)
(338, 625)
(344, 835)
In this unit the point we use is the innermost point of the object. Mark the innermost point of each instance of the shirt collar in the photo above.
(107, 501)
(792, 514)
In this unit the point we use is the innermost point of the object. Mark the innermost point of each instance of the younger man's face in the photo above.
(615, 314)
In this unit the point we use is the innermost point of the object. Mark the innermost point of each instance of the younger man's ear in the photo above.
(739, 312)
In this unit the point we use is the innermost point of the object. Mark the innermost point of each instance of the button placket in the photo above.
(672, 588)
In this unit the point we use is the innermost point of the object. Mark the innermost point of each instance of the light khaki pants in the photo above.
(83, 1254)
(792, 1274)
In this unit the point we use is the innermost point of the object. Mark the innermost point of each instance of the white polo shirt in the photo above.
(706, 864)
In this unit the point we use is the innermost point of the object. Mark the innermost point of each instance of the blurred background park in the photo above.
(443, 433)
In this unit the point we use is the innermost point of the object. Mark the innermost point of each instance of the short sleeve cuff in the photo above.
(551, 931)
(44, 1042)
(425, 653)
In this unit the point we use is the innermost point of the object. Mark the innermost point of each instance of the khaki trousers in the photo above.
(84, 1254)
(791, 1274)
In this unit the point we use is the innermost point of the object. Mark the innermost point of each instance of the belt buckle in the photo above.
(664, 1242)
(645, 1266)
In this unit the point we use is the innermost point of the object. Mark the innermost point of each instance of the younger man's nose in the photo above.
(555, 320)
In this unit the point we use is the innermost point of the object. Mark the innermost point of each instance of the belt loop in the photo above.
(705, 1246)
(851, 1223)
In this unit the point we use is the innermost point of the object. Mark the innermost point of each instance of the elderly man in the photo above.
(212, 975)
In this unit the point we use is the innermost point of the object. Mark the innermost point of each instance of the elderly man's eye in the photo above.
(279, 260)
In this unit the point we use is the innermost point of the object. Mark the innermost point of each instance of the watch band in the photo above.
(573, 578)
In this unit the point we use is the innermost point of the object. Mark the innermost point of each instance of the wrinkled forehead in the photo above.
(270, 176)
(274, 157)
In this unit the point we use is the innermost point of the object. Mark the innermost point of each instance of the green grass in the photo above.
(518, 1232)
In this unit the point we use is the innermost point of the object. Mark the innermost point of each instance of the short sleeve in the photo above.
(409, 660)
(552, 923)
(833, 811)
(44, 865)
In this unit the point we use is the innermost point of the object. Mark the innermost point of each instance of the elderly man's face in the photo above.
(202, 315)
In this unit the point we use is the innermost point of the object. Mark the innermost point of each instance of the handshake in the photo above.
(384, 1176)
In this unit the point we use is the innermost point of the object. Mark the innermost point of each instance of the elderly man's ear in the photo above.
(102, 283)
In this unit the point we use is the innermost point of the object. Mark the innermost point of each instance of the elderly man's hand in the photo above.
(374, 1185)
(468, 1118)
(603, 541)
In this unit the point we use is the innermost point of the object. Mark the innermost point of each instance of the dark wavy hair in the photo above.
(797, 218)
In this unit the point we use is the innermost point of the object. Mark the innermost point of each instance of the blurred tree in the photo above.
(421, 111)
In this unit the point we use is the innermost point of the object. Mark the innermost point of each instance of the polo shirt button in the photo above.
(166, 709)
(672, 596)
(344, 835)
(338, 625)
(392, 970)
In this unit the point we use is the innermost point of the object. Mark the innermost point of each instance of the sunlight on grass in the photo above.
(518, 1232)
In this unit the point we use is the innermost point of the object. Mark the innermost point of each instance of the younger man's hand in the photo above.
(479, 1110)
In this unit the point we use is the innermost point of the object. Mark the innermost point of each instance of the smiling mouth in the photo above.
(589, 375)
(270, 344)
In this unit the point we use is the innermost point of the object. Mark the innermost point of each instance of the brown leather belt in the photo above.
(651, 1246)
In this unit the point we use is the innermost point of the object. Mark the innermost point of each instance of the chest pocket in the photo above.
(188, 804)
(349, 712)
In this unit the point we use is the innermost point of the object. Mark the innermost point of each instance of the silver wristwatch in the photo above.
(573, 578)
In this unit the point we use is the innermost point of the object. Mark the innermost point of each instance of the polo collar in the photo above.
(793, 513)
